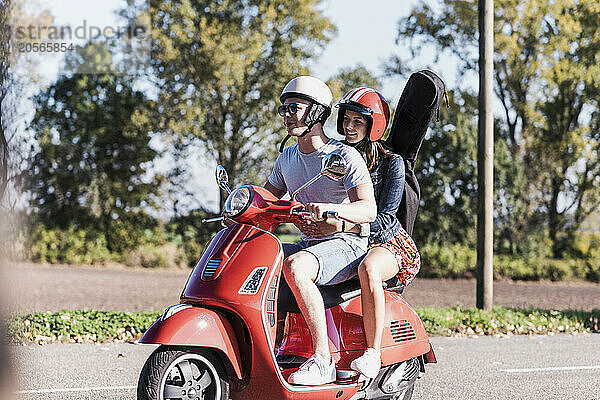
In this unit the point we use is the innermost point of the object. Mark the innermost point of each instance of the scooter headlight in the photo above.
(238, 201)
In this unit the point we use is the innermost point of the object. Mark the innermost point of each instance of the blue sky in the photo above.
(366, 33)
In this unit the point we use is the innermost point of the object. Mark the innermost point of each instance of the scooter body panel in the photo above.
(404, 336)
(196, 327)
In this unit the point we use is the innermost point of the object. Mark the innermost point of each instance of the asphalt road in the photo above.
(537, 367)
(31, 287)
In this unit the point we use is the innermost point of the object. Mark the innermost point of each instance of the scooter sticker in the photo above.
(253, 281)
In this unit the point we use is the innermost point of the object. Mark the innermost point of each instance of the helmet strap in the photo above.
(283, 143)
(314, 114)
(281, 146)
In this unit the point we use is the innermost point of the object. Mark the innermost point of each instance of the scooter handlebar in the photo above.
(305, 214)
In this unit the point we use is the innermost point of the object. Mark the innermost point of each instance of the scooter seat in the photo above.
(332, 294)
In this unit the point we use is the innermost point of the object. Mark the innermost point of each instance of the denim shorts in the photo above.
(338, 259)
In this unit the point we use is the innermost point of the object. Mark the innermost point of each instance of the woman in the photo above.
(362, 119)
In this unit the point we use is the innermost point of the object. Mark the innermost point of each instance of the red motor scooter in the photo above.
(220, 341)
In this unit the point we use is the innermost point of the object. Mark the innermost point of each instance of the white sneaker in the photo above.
(314, 371)
(368, 364)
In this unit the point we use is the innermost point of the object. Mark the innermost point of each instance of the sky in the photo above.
(366, 35)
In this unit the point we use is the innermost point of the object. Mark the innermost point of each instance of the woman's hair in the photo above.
(373, 152)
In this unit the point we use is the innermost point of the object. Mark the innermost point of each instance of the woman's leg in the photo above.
(379, 265)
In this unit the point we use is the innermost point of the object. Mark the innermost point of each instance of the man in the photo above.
(326, 260)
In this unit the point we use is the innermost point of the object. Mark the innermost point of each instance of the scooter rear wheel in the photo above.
(171, 373)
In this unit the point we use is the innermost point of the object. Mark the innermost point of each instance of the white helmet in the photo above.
(309, 88)
(314, 90)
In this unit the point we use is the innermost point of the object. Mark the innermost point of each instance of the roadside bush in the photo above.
(134, 229)
(588, 246)
(533, 269)
(516, 268)
(191, 235)
(556, 270)
(459, 261)
(447, 261)
(168, 255)
(70, 246)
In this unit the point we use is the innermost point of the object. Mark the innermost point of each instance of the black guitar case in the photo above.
(419, 103)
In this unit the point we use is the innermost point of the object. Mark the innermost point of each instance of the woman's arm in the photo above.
(390, 197)
(387, 206)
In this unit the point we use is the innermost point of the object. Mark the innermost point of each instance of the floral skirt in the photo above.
(404, 249)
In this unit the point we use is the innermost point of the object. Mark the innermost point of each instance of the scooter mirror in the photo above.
(334, 167)
(222, 178)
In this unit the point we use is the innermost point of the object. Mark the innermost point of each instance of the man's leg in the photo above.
(288, 250)
(320, 263)
(300, 271)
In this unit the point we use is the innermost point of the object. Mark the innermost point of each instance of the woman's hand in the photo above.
(318, 229)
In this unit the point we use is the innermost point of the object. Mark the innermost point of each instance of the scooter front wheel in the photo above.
(171, 373)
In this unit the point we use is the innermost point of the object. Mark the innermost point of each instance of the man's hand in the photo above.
(316, 211)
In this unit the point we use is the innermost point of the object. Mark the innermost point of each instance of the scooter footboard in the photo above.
(196, 327)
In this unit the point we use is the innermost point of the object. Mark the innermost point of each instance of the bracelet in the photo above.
(343, 226)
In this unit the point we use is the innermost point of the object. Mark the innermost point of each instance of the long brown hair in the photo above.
(373, 152)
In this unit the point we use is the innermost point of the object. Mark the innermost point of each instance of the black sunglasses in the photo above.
(291, 108)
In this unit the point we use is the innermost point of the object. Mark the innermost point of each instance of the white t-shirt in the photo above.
(294, 168)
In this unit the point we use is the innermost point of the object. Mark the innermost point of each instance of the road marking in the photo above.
(90, 389)
(551, 369)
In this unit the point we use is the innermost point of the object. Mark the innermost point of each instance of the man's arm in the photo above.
(276, 192)
(362, 207)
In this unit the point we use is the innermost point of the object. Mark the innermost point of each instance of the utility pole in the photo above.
(485, 158)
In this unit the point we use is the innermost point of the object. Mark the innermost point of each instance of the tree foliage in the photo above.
(92, 167)
(220, 67)
(352, 77)
(18, 69)
(547, 79)
(5, 50)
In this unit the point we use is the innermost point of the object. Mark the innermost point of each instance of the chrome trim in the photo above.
(171, 310)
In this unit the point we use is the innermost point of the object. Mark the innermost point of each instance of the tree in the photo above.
(220, 67)
(93, 164)
(352, 77)
(17, 72)
(5, 9)
(547, 81)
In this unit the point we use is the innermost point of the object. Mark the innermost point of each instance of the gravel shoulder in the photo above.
(38, 287)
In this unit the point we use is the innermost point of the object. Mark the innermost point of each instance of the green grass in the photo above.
(80, 326)
(109, 326)
(506, 321)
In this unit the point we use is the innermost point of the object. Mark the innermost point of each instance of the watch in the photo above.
(364, 230)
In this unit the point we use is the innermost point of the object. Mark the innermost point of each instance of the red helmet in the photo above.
(371, 104)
